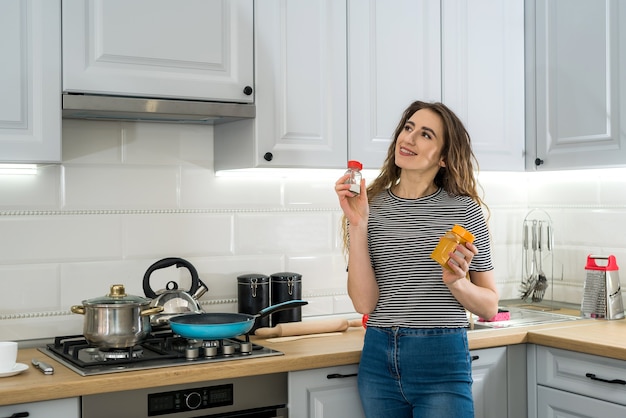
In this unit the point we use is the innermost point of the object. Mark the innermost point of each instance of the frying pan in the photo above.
(217, 326)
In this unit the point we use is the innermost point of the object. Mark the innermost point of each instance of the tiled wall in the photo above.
(128, 194)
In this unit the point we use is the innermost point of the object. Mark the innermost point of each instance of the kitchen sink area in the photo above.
(521, 317)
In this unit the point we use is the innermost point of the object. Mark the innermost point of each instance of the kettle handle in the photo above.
(167, 262)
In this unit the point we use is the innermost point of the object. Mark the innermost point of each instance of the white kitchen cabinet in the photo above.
(30, 81)
(339, 92)
(66, 408)
(576, 94)
(145, 48)
(489, 371)
(332, 391)
(576, 384)
(483, 77)
(329, 392)
(394, 58)
(554, 403)
(300, 66)
(467, 54)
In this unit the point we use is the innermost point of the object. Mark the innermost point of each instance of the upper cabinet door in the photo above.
(197, 49)
(30, 81)
(300, 64)
(578, 90)
(483, 77)
(394, 59)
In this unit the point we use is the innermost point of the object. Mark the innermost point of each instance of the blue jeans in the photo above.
(410, 373)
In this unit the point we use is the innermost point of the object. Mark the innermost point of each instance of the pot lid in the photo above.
(117, 296)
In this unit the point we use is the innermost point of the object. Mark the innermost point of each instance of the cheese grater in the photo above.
(602, 293)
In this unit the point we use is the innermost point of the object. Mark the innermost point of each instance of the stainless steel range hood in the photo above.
(97, 107)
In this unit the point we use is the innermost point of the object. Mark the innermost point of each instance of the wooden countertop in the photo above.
(600, 337)
(604, 338)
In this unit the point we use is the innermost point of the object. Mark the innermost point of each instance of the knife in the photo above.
(45, 368)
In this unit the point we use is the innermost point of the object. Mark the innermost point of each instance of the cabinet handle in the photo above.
(340, 376)
(599, 379)
(19, 415)
(268, 156)
(247, 90)
(475, 358)
(538, 161)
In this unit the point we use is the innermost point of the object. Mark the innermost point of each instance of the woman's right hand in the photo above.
(355, 206)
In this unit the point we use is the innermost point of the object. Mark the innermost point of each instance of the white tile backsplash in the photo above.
(36, 192)
(291, 233)
(32, 239)
(129, 194)
(169, 233)
(121, 187)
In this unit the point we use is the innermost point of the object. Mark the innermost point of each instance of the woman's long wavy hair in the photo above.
(457, 178)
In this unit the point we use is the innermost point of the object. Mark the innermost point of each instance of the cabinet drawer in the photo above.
(556, 403)
(579, 373)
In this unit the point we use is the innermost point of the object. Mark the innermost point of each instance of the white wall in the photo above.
(128, 194)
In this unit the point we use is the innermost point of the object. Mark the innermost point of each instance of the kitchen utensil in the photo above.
(529, 285)
(308, 327)
(602, 293)
(301, 337)
(116, 320)
(286, 286)
(174, 301)
(542, 282)
(217, 326)
(45, 368)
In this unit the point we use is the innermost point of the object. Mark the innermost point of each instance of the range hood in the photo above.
(100, 107)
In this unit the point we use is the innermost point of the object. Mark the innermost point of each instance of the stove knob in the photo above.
(210, 351)
(192, 353)
(228, 349)
(193, 400)
(246, 348)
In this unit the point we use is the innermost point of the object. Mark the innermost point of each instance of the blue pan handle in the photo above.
(290, 304)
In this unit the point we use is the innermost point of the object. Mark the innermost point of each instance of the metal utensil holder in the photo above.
(537, 258)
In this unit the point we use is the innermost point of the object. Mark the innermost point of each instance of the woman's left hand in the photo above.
(459, 263)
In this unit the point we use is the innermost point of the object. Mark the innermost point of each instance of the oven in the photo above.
(263, 396)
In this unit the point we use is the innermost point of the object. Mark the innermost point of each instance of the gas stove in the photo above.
(159, 349)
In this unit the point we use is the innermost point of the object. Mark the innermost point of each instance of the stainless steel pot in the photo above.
(116, 320)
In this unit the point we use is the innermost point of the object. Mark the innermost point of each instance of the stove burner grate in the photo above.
(159, 349)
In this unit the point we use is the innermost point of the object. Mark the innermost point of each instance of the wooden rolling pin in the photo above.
(308, 327)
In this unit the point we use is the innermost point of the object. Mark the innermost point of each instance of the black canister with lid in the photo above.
(286, 286)
(253, 295)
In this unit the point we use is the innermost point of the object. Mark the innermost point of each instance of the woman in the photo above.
(415, 360)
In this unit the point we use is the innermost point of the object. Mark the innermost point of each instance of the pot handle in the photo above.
(167, 262)
(78, 309)
(151, 311)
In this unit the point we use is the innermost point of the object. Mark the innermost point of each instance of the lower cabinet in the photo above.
(572, 384)
(489, 371)
(555, 403)
(329, 392)
(66, 408)
(332, 392)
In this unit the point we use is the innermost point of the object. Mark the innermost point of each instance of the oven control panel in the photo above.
(189, 399)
